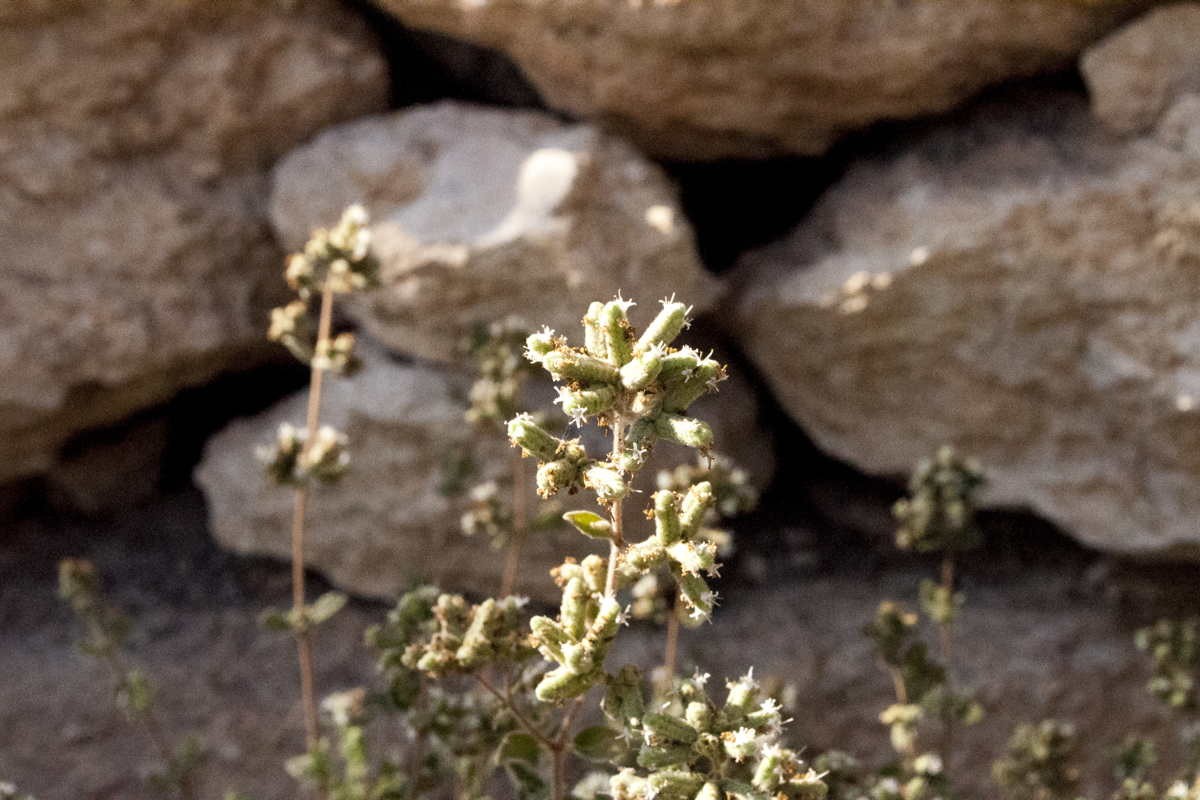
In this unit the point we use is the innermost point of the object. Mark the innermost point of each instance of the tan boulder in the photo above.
(696, 79)
(135, 138)
(1021, 285)
(479, 214)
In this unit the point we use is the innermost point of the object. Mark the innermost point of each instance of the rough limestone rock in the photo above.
(135, 139)
(481, 213)
(390, 522)
(1136, 73)
(711, 78)
(1021, 285)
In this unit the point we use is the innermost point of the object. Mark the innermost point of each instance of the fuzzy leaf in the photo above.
(589, 524)
(598, 743)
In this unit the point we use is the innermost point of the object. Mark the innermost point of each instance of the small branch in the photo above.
(615, 510)
(944, 632)
(946, 642)
(529, 727)
(304, 649)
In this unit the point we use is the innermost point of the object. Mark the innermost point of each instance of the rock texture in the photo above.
(135, 139)
(735, 78)
(1136, 73)
(481, 213)
(1021, 285)
(389, 522)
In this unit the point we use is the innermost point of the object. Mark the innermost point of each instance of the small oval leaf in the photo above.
(589, 524)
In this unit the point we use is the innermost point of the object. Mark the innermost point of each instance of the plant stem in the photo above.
(615, 510)
(512, 560)
(508, 703)
(945, 639)
(944, 632)
(672, 647)
(304, 648)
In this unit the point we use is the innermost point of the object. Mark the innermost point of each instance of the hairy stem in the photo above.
(512, 559)
(615, 510)
(945, 637)
(304, 647)
(521, 719)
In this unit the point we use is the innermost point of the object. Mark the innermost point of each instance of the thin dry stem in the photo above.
(304, 648)
(615, 510)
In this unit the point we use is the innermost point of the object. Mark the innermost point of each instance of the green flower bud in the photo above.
(550, 637)
(675, 784)
(571, 365)
(594, 571)
(639, 441)
(666, 517)
(641, 371)
(539, 344)
(700, 381)
(693, 558)
(555, 476)
(740, 744)
(580, 403)
(668, 729)
(532, 438)
(605, 481)
(743, 693)
(678, 366)
(617, 332)
(645, 555)
(572, 612)
(563, 684)
(769, 772)
(696, 503)
(660, 757)
(337, 355)
(477, 647)
(696, 594)
(686, 431)
(593, 330)
(326, 458)
(698, 714)
(665, 326)
(627, 785)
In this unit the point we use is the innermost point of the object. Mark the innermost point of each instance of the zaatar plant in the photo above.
(334, 262)
(654, 596)
(937, 516)
(1039, 763)
(105, 632)
(637, 388)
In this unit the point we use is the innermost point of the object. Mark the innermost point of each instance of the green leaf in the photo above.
(589, 524)
(275, 620)
(599, 743)
(325, 607)
(519, 747)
